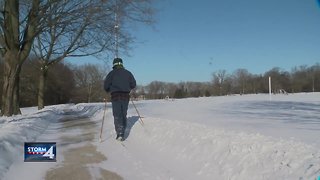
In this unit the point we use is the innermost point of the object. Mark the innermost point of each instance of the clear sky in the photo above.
(192, 39)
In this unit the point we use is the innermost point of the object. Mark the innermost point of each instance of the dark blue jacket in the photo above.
(119, 80)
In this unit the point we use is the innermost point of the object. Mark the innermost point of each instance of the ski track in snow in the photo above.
(176, 146)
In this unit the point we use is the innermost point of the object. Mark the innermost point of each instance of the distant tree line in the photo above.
(241, 81)
(161, 90)
(68, 83)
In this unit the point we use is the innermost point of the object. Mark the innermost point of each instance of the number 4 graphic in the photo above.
(49, 153)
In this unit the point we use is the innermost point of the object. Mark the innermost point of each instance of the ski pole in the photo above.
(141, 121)
(104, 114)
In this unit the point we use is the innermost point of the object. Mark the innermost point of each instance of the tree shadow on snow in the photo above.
(131, 121)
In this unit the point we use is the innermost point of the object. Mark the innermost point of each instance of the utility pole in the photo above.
(270, 88)
(116, 31)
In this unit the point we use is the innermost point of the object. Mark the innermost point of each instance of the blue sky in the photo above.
(193, 39)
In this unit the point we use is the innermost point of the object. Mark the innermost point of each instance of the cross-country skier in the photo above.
(119, 82)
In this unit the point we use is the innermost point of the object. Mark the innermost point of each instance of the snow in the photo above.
(229, 137)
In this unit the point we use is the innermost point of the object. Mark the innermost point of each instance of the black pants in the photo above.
(119, 109)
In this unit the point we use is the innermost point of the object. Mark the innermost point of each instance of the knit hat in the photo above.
(117, 62)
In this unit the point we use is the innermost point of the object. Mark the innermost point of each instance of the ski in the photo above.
(122, 144)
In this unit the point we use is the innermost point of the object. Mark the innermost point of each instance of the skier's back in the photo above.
(119, 82)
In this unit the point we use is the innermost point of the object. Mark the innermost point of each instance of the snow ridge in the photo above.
(206, 152)
(16, 130)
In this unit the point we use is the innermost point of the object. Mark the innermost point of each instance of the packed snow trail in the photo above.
(74, 132)
(80, 155)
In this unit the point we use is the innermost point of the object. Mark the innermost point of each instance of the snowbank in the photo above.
(30, 126)
(194, 151)
(14, 131)
(232, 137)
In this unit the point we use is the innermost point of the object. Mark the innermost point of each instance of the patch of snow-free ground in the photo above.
(230, 137)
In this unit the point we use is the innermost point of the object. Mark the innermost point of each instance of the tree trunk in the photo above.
(42, 85)
(10, 87)
(17, 49)
(16, 94)
(89, 93)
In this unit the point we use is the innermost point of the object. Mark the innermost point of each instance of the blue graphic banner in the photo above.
(40, 152)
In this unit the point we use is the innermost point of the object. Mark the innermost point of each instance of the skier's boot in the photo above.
(120, 137)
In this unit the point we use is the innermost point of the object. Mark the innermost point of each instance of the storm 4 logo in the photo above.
(40, 152)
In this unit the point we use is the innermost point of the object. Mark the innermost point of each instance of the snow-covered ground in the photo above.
(232, 137)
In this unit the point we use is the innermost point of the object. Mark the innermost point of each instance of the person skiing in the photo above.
(119, 82)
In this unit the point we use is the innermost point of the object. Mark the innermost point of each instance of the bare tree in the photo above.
(18, 31)
(89, 81)
(83, 28)
(219, 79)
(22, 20)
(241, 77)
(315, 75)
(280, 79)
(171, 88)
(61, 84)
(73, 29)
(29, 77)
(303, 79)
(1, 75)
(155, 90)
